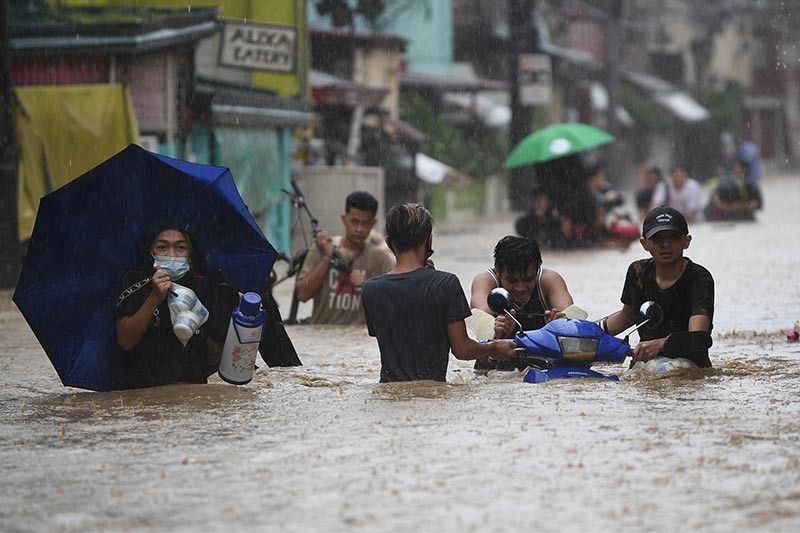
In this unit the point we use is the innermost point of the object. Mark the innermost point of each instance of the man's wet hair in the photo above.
(407, 226)
(361, 200)
(513, 255)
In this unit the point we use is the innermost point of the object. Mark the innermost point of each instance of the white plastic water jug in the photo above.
(241, 343)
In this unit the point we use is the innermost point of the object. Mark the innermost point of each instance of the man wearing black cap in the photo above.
(683, 289)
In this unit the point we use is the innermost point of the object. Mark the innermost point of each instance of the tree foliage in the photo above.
(476, 150)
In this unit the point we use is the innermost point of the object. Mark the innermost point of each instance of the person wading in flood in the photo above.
(154, 355)
(540, 295)
(683, 289)
(334, 275)
(416, 312)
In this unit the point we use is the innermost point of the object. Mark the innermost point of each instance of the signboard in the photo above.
(535, 75)
(252, 46)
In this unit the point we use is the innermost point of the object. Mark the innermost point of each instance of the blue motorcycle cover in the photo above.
(571, 346)
(566, 340)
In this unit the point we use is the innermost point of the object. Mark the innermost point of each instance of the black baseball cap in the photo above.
(664, 219)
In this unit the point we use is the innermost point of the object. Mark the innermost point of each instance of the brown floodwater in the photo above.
(324, 447)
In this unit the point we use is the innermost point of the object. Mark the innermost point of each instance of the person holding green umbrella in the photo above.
(554, 153)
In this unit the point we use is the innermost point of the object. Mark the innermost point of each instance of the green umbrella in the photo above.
(554, 141)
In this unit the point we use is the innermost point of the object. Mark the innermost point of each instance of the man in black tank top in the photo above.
(539, 295)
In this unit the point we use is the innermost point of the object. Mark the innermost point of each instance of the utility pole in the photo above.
(9, 237)
(523, 38)
(611, 62)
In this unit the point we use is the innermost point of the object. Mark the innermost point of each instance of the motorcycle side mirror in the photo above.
(499, 300)
(653, 313)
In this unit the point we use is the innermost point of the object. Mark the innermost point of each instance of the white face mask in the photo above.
(175, 267)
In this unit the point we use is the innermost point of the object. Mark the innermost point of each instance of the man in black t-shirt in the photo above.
(416, 312)
(683, 289)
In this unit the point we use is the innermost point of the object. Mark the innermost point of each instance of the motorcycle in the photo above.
(568, 347)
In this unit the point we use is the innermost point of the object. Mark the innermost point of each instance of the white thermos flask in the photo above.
(241, 343)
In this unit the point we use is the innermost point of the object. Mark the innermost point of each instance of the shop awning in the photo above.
(330, 90)
(229, 105)
(682, 106)
(451, 83)
(491, 112)
(394, 126)
(40, 28)
(599, 98)
(432, 170)
(677, 102)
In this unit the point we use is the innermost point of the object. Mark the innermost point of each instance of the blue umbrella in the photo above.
(84, 241)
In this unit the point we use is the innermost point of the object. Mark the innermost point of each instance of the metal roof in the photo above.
(65, 30)
(328, 89)
(230, 105)
(451, 83)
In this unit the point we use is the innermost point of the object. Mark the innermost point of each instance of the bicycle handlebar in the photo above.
(295, 188)
(300, 201)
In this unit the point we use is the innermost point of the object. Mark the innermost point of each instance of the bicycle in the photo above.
(295, 262)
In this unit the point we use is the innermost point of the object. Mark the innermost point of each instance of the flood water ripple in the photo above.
(324, 447)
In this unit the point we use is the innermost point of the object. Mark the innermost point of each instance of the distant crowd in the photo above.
(735, 195)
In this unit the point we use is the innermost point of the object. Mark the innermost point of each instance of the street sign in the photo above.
(254, 46)
(535, 75)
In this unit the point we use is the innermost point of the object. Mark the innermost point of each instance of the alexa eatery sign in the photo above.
(258, 46)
